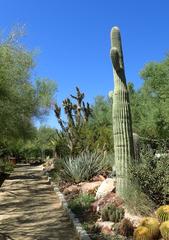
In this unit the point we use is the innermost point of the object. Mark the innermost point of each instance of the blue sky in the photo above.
(73, 38)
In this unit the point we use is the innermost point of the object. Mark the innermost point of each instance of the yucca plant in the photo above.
(164, 229)
(83, 167)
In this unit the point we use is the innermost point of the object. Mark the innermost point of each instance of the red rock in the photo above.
(71, 189)
(105, 227)
(98, 178)
(109, 198)
(89, 187)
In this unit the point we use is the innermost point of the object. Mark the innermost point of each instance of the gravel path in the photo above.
(30, 209)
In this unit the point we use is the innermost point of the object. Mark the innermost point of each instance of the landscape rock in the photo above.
(49, 165)
(135, 219)
(98, 178)
(71, 189)
(89, 187)
(109, 198)
(105, 227)
(107, 186)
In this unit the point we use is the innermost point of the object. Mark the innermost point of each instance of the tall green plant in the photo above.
(122, 124)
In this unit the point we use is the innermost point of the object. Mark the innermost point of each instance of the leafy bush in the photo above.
(152, 177)
(81, 203)
(84, 166)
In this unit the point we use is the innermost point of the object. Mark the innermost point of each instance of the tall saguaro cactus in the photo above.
(122, 124)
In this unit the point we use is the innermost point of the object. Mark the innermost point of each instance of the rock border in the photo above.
(81, 233)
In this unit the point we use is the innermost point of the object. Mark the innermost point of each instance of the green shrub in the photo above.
(81, 203)
(152, 177)
(6, 166)
(84, 166)
(112, 213)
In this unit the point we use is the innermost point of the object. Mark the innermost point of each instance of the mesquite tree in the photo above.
(77, 116)
(122, 124)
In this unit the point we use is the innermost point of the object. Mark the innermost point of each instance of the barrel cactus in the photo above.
(142, 233)
(122, 123)
(153, 225)
(164, 229)
(163, 213)
(112, 213)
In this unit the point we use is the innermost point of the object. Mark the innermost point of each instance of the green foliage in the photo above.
(81, 203)
(152, 177)
(84, 166)
(126, 228)
(164, 229)
(149, 104)
(112, 213)
(21, 99)
(6, 166)
(163, 213)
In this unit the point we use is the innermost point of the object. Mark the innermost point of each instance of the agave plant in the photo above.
(83, 167)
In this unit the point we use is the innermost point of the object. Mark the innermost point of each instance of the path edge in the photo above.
(81, 233)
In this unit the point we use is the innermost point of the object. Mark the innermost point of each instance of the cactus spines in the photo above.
(164, 229)
(142, 233)
(153, 225)
(122, 124)
(112, 213)
(163, 213)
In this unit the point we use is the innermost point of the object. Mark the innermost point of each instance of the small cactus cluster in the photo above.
(112, 213)
(150, 228)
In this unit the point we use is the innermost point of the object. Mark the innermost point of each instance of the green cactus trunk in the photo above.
(122, 124)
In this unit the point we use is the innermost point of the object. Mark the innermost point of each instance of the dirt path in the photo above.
(30, 210)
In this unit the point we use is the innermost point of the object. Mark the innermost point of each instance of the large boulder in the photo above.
(107, 186)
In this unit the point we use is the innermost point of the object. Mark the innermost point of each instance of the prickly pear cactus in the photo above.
(163, 213)
(122, 124)
(142, 233)
(153, 225)
(164, 229)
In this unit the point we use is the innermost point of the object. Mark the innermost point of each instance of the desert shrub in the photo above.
(112, 213)
(152, 177)
(81, 203)
(137, 201)
(84, 166)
